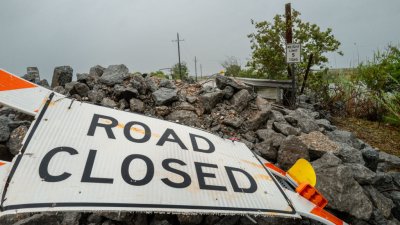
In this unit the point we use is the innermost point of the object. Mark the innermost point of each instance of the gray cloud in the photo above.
(139, 33)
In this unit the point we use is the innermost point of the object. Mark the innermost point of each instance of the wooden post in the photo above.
(310, 58)
(289, 39)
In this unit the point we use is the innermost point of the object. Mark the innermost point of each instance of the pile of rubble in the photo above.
(361, 183)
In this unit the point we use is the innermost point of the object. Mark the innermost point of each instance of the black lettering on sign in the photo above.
(87, 172)
(165, 137)
(186, 178)
(108, 127)
(235, 185)
(127, 132)
(201, 175)
(125, 170)
(211, 147)
(44, 165)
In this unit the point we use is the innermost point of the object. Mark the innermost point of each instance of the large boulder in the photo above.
(16, 138)
(96, 71)
(184, 117)
(290, 151)
(371, 157)
(336, 183)
(303, 119)
(383, 204)
(164, 96)
(286, 129)
(32, 75)
(61, 76)
(81, 89)
(211, 99)
(362, 174)
(349, 154)
(139, 83)
(240, 100)
(345, 137)
(270, 135)
(125, 92)
(257, 119)
(223, 81)
(267, 150)
(4, 129)
(114, 74)
(136, 105)
(388, 163)
(318, 144)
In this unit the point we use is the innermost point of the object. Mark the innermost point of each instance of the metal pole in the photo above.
(195, 67)
(289, 39)
(179, 57)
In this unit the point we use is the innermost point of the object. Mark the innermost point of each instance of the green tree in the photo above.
(231, 66)
(184, 70)
(159, 74)
(269, 46)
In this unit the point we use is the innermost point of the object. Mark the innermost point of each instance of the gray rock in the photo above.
(69, 87)
(167, 84)
(118, 216)
(388, 163)
(276, 116)
(325, 124)
(336, 183)
(164, 96)
(94, 218)
(162, 110)
(286, 129)
(228, 92)
(96, 71)
(96, 96)
(15, 142)
(151, 84)
(256, 120)
(61, 76)
(270, 135)
(114, 74)
(345, 137)
(191, 99)
(60, 90)
(384, 182)
(44, 83)
(184, 117)
(267, 150)
(81, 89)
(82, 77)
(71, 218)
(290, 151)
(190, 219)
(234, 121)
(349, 154)
(139, 83)
(371, 157)
(383, 204)
(108, 102)
(250, 136)
(240, 100)
(223, 81)
(228, 220)
(4, 129)
(318, 144)
(136, 105)
(185, 106)
(362, 174)
(247, 143)
(39, 219)
(32, 75)
(303, 119)
(210, 100)
(125, 92)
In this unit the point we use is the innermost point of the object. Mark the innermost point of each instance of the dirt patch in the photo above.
(382, 136)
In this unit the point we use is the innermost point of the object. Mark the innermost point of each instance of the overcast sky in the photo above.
(139, 33)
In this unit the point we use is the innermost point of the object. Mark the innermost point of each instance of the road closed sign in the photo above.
(293, 53)
(82, 157)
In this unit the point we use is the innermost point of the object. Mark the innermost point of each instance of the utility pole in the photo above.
(179, 54)
(201, 71)
(289, 39)
(195, 66)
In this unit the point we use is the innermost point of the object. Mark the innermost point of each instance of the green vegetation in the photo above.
(159, 74)
(184, 70)
(268, 45)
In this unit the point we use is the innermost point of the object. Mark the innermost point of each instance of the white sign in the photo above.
(79, 156)
(293, 53)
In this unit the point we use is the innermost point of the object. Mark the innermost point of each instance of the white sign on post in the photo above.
(78, 156)
(293, 53)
